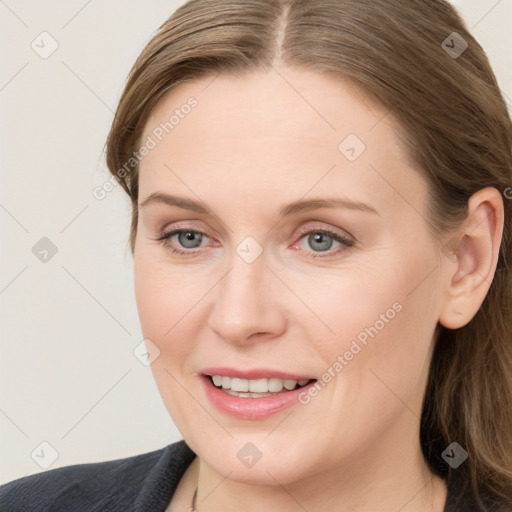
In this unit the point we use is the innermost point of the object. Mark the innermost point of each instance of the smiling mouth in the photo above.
(256, 388)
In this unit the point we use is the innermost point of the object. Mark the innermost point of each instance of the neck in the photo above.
(365, 484)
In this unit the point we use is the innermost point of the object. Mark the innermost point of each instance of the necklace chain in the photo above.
(193, 506)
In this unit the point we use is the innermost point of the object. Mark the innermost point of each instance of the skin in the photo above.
(251, 145)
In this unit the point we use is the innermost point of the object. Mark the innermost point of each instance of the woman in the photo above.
(321, 232)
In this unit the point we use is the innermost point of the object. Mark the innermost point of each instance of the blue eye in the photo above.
(322, 240)
(190, 240)
(187, 237)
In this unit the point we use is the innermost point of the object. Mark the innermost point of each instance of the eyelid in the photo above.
(182, 226)
(167, 234)
(345, 240)
(186, 225)
(326, 229)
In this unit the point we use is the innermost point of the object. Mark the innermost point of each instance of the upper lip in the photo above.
(254, 373)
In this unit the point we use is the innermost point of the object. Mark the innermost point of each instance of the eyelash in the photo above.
(346, 242)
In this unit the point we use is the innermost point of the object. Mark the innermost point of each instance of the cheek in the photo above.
(165, 305)
(386, 377)
(152, 299)
(172, 302)
(164, 296)
(381, 325)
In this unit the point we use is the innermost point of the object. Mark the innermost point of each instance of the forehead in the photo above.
(288, 130)
(288, 104)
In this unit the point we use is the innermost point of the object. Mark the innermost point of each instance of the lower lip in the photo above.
(252, 408)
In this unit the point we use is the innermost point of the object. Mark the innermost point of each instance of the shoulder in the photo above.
(110, 485)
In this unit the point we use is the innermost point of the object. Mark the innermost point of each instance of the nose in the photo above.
(246, 305)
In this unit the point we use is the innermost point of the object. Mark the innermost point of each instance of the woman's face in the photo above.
(354, 308)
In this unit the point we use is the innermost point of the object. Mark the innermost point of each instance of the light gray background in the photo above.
(68, 376)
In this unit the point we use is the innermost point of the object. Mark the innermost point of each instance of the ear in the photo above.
(472, 257)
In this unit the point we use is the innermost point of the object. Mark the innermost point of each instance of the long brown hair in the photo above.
(411, 57)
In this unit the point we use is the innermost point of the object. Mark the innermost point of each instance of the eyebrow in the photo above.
(289, 209)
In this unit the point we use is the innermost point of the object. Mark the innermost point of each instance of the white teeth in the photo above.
(289, 384)
(272, 385)
(217, 380)
(239, 384)
(255, 386)
(246, 395)
(275, 385)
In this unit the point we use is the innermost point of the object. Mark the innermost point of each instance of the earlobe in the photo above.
(475, 251)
